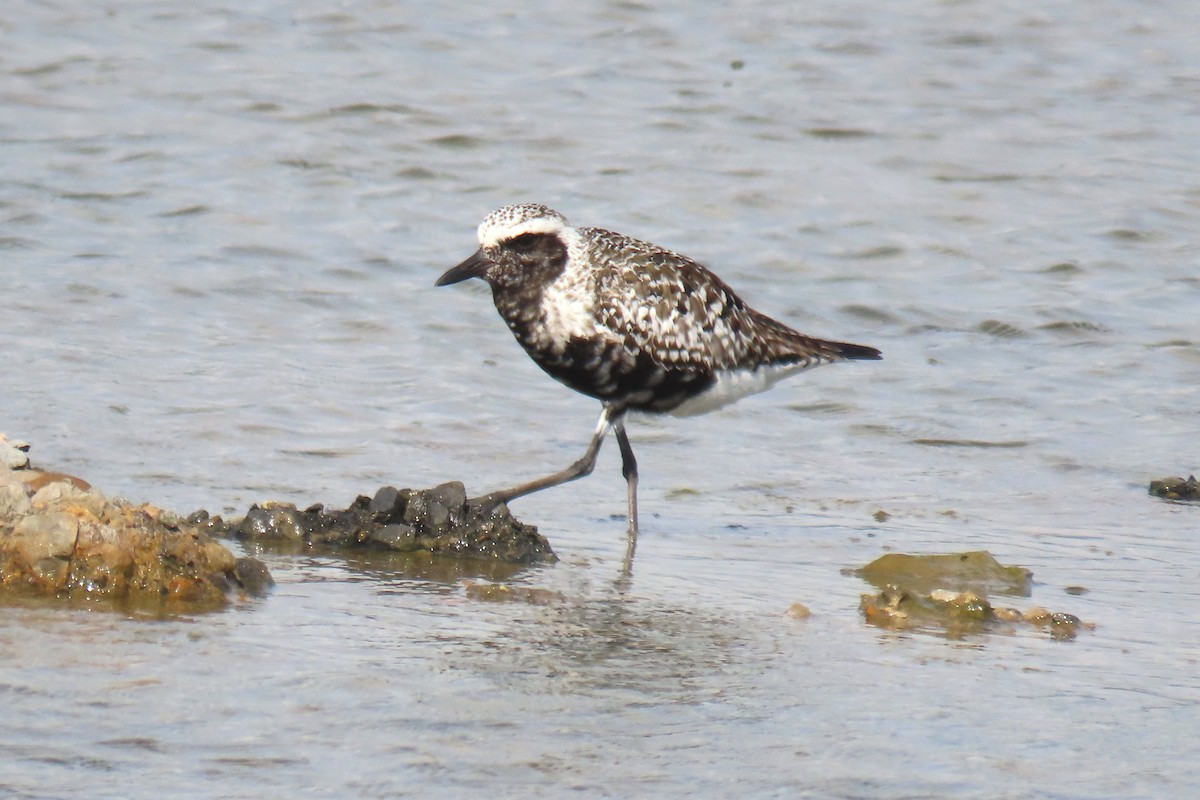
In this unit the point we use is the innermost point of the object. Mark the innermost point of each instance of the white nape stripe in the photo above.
(491, 234)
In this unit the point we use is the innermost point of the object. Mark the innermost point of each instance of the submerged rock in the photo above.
(976, 571)
(948, 594)
(437, 520)
(60, 537)
(1176, 488)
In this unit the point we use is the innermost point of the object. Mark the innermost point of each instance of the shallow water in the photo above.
(220, 228)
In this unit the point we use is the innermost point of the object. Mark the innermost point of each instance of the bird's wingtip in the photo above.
(859, 352)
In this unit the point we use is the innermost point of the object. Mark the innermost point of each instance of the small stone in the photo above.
(277, 522)
(452, 494)
(1176, 488)
(798, 611)
(14, 501)
(1064, 626)
(396, 536)
(48, 535)
(13, 457)
(252, 575)
(971, 606)
(438, 517)
(386, 504)
(56, 494)
(416, 511)
(1038, 616)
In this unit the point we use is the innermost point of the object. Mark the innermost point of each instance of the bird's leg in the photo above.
(629, 470)
(579, 469)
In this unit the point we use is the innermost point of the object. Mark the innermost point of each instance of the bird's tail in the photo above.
(854, 352)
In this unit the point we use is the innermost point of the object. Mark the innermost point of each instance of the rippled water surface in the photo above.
(220, 226)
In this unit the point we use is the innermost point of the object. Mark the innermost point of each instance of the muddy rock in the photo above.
(437, 520)
(1176, 488)
(60, 537)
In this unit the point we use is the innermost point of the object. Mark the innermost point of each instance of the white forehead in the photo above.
(505, 223)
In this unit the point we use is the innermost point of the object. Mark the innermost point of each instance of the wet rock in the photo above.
(386, 503)
(61, 537)
(1176, 488)
(14, 501)
(508, 593)
(253, 576)
(451, 495)
(436, 520)
(944, 594)
(799, 611)
(976, 571)
(396, 536)
(13, 455)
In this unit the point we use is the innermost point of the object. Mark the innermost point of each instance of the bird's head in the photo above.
(518, 245)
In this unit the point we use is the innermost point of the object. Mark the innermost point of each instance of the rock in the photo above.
(386, 504)
(14, 501)
(40, 547)
(13, 455)
(436, 520)
(976, 571)
(943, 594)
(451, 495)
(396, 536)
(61, 493)
(253, 576)
(61, 537)
(798, 611)
(272, 522)
(1176, 488)
(507, 593)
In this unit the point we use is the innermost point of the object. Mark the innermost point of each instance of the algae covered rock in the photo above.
(976, 571)
(60, 537)
(948, 594)
(1176, 488)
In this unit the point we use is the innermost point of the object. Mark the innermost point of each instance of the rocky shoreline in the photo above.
(60, 537)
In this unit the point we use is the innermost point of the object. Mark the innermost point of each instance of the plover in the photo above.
(632, 324)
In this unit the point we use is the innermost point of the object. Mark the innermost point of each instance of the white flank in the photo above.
(733, 385)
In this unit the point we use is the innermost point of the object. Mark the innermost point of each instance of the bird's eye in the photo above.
(523, 243)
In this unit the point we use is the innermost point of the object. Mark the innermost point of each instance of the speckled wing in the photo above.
(684, 317)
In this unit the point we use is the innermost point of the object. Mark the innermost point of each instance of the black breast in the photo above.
(607, 371)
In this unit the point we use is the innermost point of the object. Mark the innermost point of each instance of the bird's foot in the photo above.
(484, 504)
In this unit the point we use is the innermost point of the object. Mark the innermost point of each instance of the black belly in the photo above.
(608, 372)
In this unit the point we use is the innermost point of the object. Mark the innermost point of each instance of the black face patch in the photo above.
(525, 243)
(536, 249)
(527, 263)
